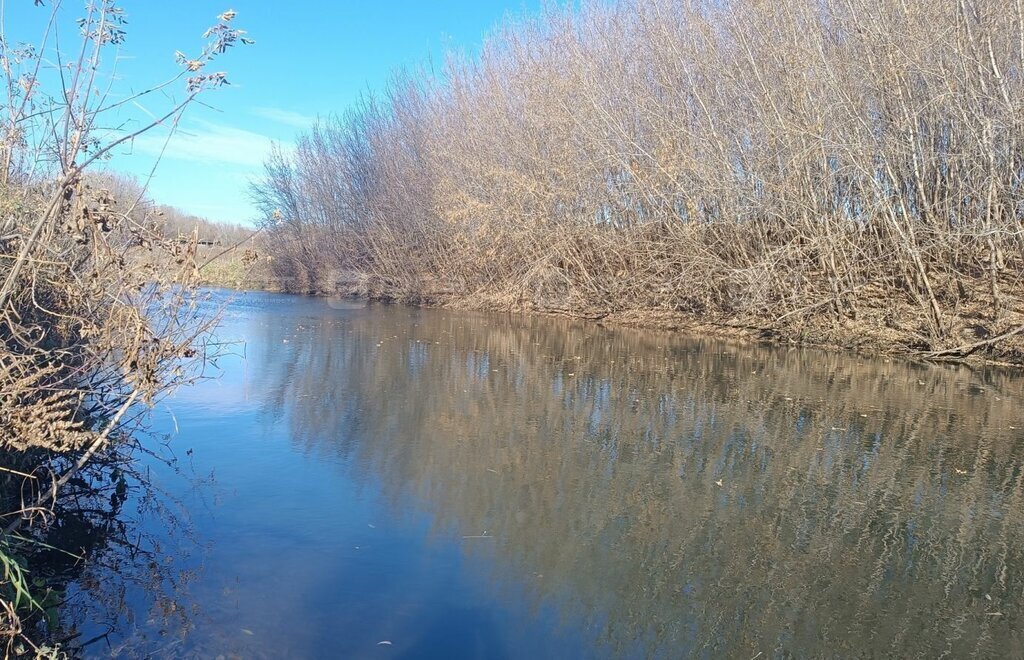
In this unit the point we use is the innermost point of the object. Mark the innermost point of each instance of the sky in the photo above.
(310, 58)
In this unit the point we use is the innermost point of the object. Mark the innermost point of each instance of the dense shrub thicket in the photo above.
(830, 170)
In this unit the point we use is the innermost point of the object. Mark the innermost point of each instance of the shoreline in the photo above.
(745, 330)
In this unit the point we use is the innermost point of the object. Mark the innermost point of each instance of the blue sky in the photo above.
(310, 58)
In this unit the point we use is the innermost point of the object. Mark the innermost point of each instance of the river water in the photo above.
(389, 482)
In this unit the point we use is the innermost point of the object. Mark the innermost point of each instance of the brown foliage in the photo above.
(87, 327)
(825, 170)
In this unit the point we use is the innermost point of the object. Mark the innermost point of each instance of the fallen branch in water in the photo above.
(964, 351)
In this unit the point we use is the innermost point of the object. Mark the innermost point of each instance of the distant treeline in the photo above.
(839, 171)
(130, 197)
(175, 223)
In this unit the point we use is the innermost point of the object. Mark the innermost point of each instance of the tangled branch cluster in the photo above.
(98, 308)
(843, 171)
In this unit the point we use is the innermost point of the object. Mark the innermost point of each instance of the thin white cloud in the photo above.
(287, 117)
(207, 142)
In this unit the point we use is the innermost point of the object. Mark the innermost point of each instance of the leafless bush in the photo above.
(87, 328)
(826, 170)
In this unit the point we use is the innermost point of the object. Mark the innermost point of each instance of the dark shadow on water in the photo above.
(456, 634)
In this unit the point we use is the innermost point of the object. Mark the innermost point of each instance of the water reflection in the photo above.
(676, 497)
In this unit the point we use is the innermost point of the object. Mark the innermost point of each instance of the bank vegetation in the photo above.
(93, 327)
(844, 172)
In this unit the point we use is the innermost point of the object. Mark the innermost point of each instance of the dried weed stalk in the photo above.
(91, 322)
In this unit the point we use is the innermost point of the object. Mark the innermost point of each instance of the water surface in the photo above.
(388, 482)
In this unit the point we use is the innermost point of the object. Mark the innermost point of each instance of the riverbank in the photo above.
(883, 328)
(883, 324)
(802, 192)
(241, 267)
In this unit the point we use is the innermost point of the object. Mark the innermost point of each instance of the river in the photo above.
(380, 481)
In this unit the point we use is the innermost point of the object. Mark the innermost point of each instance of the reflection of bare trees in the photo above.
(696, 497)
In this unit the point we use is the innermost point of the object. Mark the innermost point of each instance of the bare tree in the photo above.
(841, 172)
